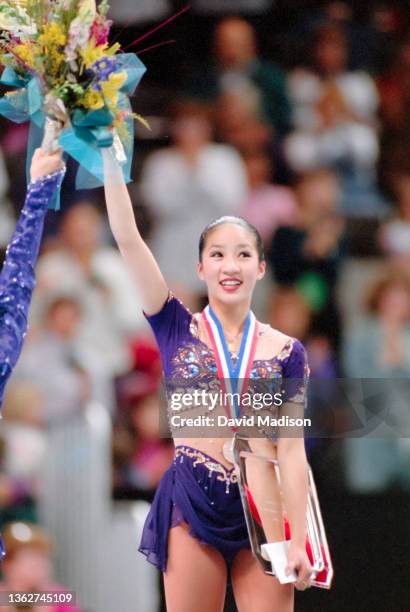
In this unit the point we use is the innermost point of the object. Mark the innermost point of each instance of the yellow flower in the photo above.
(91, 53)
(113, 49)
(111, 86)
(55, 59)
(53, 35)
(26, 53)
(116, 79)
(92, 100)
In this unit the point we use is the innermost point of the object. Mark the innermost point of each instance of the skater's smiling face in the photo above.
(231, 262)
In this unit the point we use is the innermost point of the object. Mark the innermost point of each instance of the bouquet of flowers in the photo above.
(68, 81)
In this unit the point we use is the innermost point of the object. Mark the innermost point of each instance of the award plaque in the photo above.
(265, 514)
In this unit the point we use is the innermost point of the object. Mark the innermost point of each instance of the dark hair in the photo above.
(187, 108)
(235, 221)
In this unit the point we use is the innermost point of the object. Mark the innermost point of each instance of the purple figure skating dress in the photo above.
(196, 488)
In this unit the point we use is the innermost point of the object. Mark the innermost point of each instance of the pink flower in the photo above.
(100, 31)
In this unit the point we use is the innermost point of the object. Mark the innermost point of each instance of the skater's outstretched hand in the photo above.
(43, 163)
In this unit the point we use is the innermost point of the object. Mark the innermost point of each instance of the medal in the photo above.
(227, 450)
(233, 379)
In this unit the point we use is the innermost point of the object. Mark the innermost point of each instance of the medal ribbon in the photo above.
(233, 379)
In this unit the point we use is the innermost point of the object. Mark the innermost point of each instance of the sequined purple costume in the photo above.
(17, 279)
(196, 488)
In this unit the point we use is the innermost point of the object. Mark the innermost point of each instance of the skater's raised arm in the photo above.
(143, 267)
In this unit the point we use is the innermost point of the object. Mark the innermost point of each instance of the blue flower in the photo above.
(101, 69)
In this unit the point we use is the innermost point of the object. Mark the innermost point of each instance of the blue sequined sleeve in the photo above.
(17, 278)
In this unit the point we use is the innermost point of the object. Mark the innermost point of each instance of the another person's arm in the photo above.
(146, 274)
(17, 278)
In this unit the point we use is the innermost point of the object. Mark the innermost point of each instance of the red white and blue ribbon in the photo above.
(233, 378)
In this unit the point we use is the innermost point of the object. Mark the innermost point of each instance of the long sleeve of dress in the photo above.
(17, 278)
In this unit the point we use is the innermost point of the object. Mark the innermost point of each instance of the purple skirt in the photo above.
(202, 492)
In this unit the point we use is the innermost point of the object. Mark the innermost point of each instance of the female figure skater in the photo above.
(195, 531)
(17, 275)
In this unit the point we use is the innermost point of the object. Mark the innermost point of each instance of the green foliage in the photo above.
(36, 10)
(70, 13)
(103, 8)
(67, 91)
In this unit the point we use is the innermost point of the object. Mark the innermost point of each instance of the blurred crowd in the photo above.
(300, 124)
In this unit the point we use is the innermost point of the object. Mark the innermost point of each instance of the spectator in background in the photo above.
(394, 90)
(238, 124)
(27, 566)
(84, 265)
(268, 205)
(369, 29)
(335, 120)
(291, 314)
(309, 254)
(52, 362)
(379, 348)
(186, 186)
(395, 233)
(240, 72)
(23, 452)
(140, 455)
